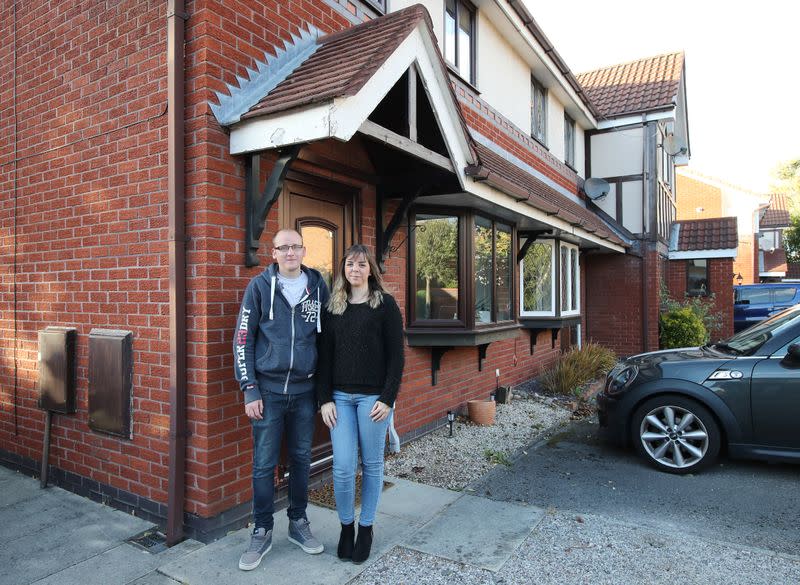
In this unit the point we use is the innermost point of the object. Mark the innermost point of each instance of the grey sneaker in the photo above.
(300, 534)
(260, 544)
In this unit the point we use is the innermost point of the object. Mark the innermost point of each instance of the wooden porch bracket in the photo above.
(257, 205)
(530, 238)
(482, 355)
(385, 243)
(436, 361)
(534, 334)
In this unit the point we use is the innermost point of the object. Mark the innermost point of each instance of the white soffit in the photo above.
(701, 254)
(341, 118)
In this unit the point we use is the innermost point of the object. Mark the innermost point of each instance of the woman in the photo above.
(359, 372)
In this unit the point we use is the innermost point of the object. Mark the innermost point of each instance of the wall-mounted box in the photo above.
(111, 382)
(57, 369)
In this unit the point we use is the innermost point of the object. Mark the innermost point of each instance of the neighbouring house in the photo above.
(701, 259)
(151, 149)
(704, 197)
(771, 263)
(642, 134)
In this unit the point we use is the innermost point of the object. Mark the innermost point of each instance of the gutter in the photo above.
(176, 18)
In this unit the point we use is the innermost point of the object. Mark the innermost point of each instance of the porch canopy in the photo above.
(386, 80)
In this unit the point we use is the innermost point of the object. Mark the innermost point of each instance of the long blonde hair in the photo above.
(341, 287)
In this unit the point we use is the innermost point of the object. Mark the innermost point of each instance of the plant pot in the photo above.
(503, 395)
(481, 412)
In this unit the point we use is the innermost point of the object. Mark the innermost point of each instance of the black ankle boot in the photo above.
(363, 544)
(346, 538)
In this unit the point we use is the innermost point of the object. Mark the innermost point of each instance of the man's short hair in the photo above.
(285, 230)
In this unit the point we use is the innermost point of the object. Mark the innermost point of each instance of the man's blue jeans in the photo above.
(293, 414)
(354, 428)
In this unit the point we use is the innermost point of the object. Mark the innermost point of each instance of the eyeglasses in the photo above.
(285, 248)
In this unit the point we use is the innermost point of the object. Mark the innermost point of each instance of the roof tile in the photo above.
(719, 233)
(638, 86)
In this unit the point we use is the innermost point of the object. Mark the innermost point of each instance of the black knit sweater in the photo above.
(361, 352)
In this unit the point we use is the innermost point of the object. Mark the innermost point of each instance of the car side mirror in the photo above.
(792, 357)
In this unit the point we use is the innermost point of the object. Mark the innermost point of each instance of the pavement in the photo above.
(423, 535)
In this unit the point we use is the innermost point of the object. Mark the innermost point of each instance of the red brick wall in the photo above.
(692, 194)
(614, 303)
(83, 207)
(84, 237)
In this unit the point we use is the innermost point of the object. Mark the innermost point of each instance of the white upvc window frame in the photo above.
(573, 272)
(553, 266)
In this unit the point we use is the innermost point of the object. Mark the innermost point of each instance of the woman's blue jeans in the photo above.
(354, 428)
(291, 415)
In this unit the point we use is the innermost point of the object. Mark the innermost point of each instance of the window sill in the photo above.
(549, 322)
(455, 73)
(429, 337)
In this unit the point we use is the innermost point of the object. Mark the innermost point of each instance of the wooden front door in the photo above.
(324, 214)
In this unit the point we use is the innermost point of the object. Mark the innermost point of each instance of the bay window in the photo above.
(462, 266)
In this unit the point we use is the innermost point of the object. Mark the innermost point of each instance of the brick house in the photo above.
(704, 197)
(701, 259)
(140, 187)
(771, 264)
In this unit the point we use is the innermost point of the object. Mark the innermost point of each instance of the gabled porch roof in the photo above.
(324, 87)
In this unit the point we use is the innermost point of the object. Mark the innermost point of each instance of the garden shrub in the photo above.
(681, 328)
(577, 367)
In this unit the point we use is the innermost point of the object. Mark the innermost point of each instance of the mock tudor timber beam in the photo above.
(398, 142)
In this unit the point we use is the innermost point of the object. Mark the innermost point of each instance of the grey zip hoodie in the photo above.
(274, 345)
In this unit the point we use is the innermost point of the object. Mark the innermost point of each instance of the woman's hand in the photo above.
(379, 411)
(328, 411)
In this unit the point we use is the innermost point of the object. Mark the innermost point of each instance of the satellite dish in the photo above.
(674, 146)
(596, 189)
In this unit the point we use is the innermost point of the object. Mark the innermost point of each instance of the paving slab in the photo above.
(285, 564)
(17, 488)
(413, 501)
(155, 578)
(476, 531)
(119, 565)
(56, 544)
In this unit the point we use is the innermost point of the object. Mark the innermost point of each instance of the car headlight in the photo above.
(619, 380)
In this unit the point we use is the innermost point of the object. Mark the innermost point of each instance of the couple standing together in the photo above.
(296, 347)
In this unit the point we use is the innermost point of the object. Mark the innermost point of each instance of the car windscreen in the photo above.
(748, 342)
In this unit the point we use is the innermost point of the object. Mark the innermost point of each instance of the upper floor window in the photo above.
(459, 37)
(378, 5)
(697, 278)
(569, 141)
(538, 111)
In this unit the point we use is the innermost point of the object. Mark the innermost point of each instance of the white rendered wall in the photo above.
(580, 151)
(435, 9)
(503, 78)
(609, 202)
(616, 154)
(555, 126)
(632, 218)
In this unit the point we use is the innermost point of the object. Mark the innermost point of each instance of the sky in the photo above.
(742, 71)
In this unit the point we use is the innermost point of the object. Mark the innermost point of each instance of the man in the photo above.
(275, 358)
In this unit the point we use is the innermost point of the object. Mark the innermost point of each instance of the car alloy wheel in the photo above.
(676, 434)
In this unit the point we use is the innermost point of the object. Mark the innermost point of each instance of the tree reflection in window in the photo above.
(537, 278)
(503, 272)
(483, 270)
(436, 263)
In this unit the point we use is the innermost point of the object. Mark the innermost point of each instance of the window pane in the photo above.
(569, 140)
(503, 272)
(697, 277)
(565, 279)
(465, 43)
(537, 278)
(450, 31)
(784, 295)
(483, 270)
(319, 250)
(753, 295)
(436, 262)
(573, 255)
(538, 114)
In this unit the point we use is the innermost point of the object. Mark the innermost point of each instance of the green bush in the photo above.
(681, 328)
(703, 307)
(577, 367)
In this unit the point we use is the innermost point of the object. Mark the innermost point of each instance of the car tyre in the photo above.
(675, 434)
